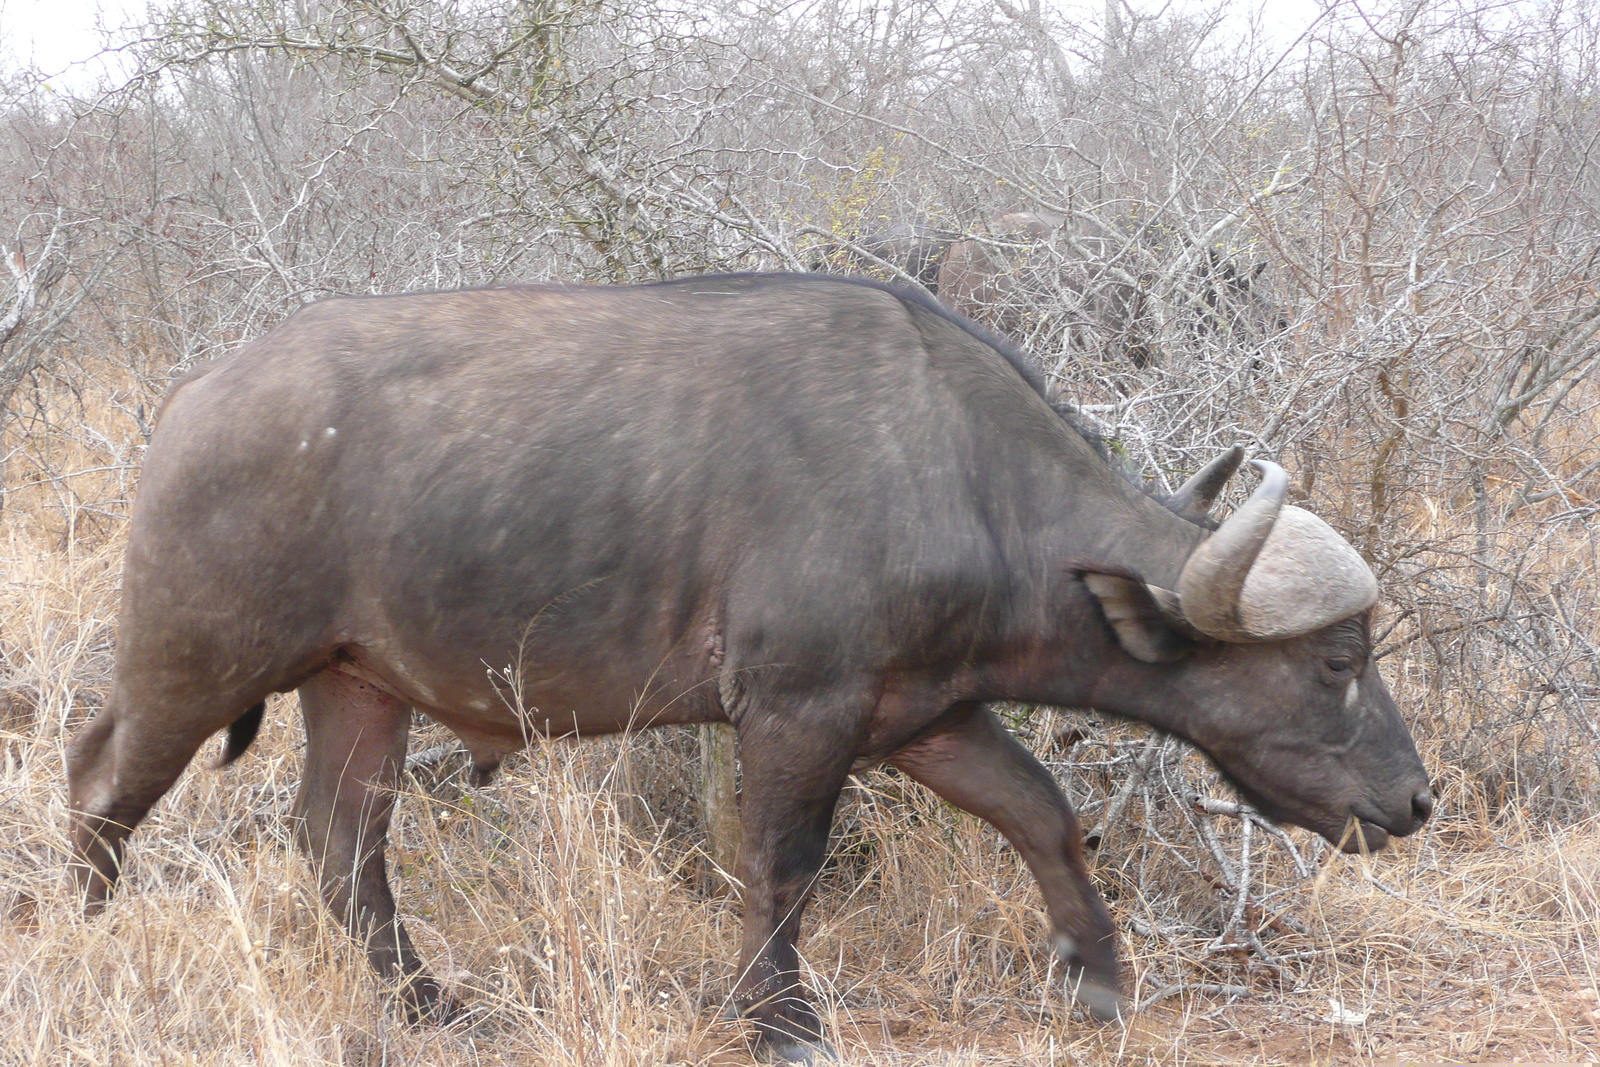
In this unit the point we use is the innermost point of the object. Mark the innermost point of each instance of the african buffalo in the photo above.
(916, 249)
(831, 513)
(1025, 282)
(1233, 302)
(1018, 280)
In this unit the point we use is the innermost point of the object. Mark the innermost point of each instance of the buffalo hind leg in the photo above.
(118, 766)
(355, 748)
(970, 759)
(791, 785)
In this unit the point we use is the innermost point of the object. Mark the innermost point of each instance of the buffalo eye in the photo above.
(1341, 665)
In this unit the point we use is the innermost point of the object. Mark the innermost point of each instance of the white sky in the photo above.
(58, 37)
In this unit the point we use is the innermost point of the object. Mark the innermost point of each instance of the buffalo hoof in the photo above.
(1101, 999)
(426, 1004)
(771, 1044)
(1103, 1003)
(792, 1050)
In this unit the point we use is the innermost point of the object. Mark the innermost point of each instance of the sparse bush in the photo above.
(1418, 181)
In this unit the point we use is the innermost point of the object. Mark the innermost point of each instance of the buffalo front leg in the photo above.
(355, 749)
(791, 785)
(970, 759)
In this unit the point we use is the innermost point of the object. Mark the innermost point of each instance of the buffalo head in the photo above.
(1261, 655)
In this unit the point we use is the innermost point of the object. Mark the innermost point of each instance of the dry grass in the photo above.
(570, 904)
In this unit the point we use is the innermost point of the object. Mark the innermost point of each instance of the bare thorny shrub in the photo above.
(1415, 178)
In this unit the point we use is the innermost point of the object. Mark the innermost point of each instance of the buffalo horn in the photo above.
(1273, 571)
(1197, 494)
(1213, 577)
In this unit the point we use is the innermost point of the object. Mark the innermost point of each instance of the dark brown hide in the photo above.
(829, 513)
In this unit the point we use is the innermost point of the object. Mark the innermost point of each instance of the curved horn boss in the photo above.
(1272, 571)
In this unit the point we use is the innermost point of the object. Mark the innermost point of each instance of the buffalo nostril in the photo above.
(1422, 805)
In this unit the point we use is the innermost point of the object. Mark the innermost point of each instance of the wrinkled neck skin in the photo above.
(1065, 652)
(1084, 666)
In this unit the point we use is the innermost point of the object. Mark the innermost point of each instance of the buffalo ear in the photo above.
(1134, 610)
